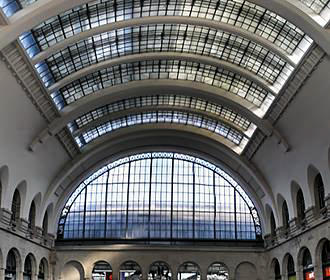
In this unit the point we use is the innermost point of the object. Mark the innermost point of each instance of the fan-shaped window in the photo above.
(16, 206)
(300, 206)
(11, 264)
(159, 196)
(189, 271)
(307, 264)
(277, 270)
(27, 274)
(102, 271)
(217, 271)
(32, 215)
(159, 271)
(272, 224)
(285, 215)
(130, 271)
(290, 268)
(45, 224)
(326, 260)
(319, 192)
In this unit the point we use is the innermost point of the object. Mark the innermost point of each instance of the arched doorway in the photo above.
(130, 271)
(27, 273)
(307, 264)
(11, 266)
(189, 271)
(217, 271)
(43, 270)
(102, 271)
(326, 260)
(291, 269)
(277, 270)
(159, 271)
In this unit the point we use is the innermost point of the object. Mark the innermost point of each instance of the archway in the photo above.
(130, 270)
(325, 257)
(159, 271)
(217, 271)
(246, 271)
(73, 271)
(189, 271)
(102, 271)
(43, 272)
(12, 269)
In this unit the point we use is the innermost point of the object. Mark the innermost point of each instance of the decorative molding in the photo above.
(286, 96)
(19, 65)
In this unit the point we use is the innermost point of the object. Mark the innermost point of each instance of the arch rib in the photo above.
(156, 87)
(164, 56)
(27, 18)
(143, 109)
(163, 20)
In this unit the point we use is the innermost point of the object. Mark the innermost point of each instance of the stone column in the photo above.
(2, 273)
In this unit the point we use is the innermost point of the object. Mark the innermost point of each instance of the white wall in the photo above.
(20, 122)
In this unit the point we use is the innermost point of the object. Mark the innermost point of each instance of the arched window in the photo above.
(45, 224)
(130, 271)
(277, 270)
(307, 264)
(27, 273)
(102, 271)
(189, 271)
(11, 264)
(272, 225)
(159, 271)
(291, 269)
(319, 192)
(159, 196)
(326, 260)
(16, 206)
(32, 215)
(285, 215)
(300, 206)
(217, 271)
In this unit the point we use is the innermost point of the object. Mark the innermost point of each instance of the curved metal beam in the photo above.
(221, 140)
(163, 20)
(143, 109)
(163, 56)
(153, 88)
(40, 11)
(130, 142)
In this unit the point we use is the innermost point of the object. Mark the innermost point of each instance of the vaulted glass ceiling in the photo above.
(251, 53)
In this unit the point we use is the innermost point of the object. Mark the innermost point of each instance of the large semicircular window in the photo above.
(159, 196)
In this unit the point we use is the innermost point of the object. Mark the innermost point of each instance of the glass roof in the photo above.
(159, 196)
(317, 5)
(169, 37)
(167, 69)
(179, 38)
(167, 100)
(184, 118)
(239, 13)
